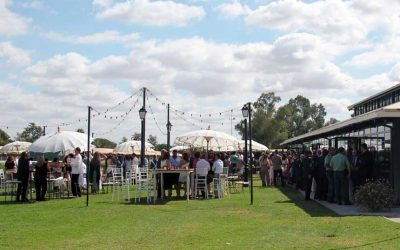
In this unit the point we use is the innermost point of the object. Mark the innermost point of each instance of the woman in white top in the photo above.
(168, 182)
(76, 168)
(183, 164)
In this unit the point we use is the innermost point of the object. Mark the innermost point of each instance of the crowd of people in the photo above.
(39, 169)
(336, 173)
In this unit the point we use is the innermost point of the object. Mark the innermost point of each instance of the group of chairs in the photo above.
(223, 184)
(141, 178)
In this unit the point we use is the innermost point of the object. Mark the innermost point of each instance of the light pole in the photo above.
(246, 111)
(142, 115)
(169, 127)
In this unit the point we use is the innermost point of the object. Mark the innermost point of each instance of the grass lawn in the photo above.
(279, 219)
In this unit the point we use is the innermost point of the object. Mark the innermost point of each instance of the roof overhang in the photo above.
(391, 111)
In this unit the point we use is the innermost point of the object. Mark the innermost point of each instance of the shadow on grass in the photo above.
(368, 244)
(312, 208)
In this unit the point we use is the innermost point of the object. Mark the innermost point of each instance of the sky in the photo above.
(206, 58)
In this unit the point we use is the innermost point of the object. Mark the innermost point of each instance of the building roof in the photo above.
(374, 96)
(390, 111)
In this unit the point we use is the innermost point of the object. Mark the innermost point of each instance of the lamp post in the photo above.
(246, 111)
(142, 115)
(169, 127)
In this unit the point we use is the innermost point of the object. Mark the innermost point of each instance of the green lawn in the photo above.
(279, 219)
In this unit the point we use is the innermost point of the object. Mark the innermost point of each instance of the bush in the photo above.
(375, 195)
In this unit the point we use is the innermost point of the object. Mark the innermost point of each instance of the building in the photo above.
(376, 122)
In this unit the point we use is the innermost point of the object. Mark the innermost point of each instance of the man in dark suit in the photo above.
(23, 177)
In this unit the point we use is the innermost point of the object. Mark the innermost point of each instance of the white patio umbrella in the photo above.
(179, 148)
(64, 141)
(131, 147)
(209, 139)
(255, 146)
(15, 147)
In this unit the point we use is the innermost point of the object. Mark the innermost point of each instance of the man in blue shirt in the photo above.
(175, 159)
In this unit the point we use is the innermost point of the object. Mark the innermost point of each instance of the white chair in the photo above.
(218, 186)
(2, 178)
(200, 184)
(225, 182)
(117, 182)
(145, 183)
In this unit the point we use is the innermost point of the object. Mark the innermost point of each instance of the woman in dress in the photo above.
(10, 167)
(94, 172)
(168, 182)
(184, 164)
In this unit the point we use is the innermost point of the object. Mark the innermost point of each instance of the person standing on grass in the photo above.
(23, 177)
(307, 166)
(277, 166)
(340, 164)
(41, 178)
(234, 161)
(76, 165)
(94, 172)
(264, 170)
(329, 175)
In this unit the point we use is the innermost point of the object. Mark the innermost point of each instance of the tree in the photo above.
(266, 129)
(152, 140)
(136, 137)
(4, 138)
(331, 121)
(31, 133)
(300, 116)
(80, 130)
(159, 147)
(271, 126)
(104, 143)
(124, 139)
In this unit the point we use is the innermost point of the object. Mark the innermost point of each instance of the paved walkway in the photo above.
(355, 210)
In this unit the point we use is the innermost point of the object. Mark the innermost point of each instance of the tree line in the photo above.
(272, 124)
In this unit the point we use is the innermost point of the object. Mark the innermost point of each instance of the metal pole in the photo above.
(44, 130)
(88, 159)
(143, 141)
(246, 160)
(168, 130)
(251, 155)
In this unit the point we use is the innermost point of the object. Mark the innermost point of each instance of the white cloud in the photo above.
(152, 13)
(14, 56)
(10, 22)
(109, 36)
(102, 3)
(32, 4)
(232, 10)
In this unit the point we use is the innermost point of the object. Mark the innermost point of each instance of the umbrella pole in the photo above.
(88, 159)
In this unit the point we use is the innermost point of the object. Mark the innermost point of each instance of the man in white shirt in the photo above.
(218, 165)
(76, 170)
(202, 166)
(202, 169)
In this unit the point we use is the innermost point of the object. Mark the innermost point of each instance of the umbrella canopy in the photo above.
(179, 148)
(225, 148)
(131, 147)
(255, 146)
(60, 142)
(209, 139)
(15, 147)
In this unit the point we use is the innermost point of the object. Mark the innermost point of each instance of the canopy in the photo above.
(255, 146)
(131, 147)
(59, 142)
(179, 148)
(15, 147)
(209, 139)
